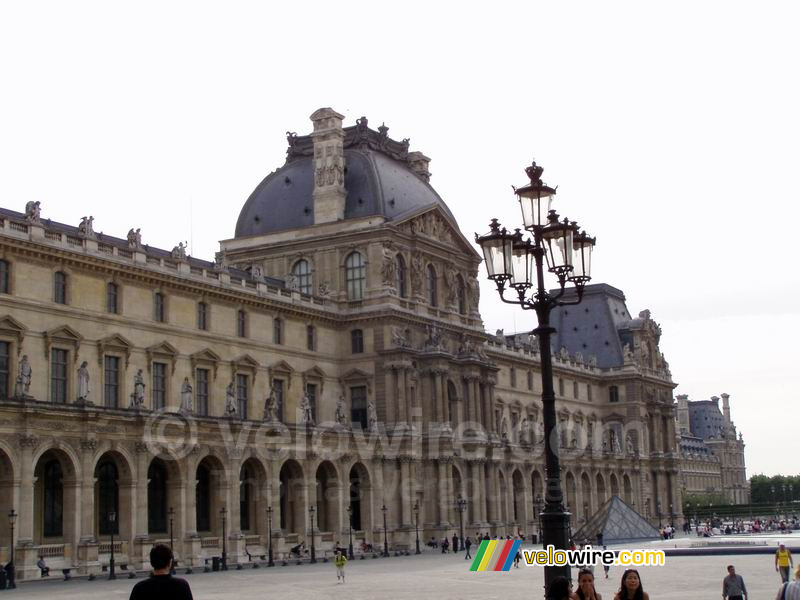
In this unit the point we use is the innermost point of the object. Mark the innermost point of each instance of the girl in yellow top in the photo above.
(340, 560)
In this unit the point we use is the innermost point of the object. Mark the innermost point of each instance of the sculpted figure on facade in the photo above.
(434, 340)
(372, 417)
(33, 212)
(473, 293)
(83, 383)
(341, 414)
(220, 260)
(134, 238)
(24, 376)
(416, 273)
(272, 406)
(398, 338)
(85, 227)
(388, 267)
(230, 401)
(187, 402)
(179, 251)
(137, 398)
(324, 289)
(306, 416)
(452, 288)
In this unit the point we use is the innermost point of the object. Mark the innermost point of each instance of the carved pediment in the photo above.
(282, 368)
(114, 343)
(245, 362)
(10, 327)
(435, 224)
(64, 336)
(614, 418)
(314, 375)
(356, 376)
(161, 351)
(205, 357)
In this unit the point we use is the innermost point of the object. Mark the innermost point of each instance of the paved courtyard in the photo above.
(431, 575)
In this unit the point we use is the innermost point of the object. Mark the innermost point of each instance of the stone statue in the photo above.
(372, 416)
(631, 450)
(573, 443)
(272, 406)
(504, 429)
(398, 338)
(466, 348)
(627, 353)
(388, 267)
(230, 401)
(452, 288)
(220, 260)
(473, 293)
(24, 375)
(416, 273)
(291, 282)
(605, 446)
(307, 418)
(592, 361)
(83, 383)
(134, 238)
(341, 415)
(33, 212)
(524, 431)
(137, 398)
(324, 289)
(179, 251)
(85, 227)
(434, 341)
(187, 405)
(564, 353)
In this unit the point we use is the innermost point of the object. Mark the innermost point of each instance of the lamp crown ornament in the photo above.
(534, 173)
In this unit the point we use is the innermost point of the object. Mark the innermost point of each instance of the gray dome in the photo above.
(376, 184)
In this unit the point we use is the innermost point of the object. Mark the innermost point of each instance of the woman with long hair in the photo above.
(560, 589)
(586, 589)
(630, 588)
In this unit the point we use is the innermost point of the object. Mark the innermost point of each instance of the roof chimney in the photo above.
(418, 163)
(329, 193)
(726, 408)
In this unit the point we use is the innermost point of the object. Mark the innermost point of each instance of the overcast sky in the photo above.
(672, 132)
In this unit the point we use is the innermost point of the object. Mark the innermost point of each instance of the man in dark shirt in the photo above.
(162, 585)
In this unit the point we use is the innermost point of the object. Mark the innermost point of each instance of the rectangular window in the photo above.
(357, 341)
(613, 394)
(201, 391)
(241, 323)
(311, 390)
(277, 385)
(159, 313)
(560, 386)
(530, 381)
(111, 298)
(589, 391)
(575, 391)
(241, 395)
(202, 316)
(5, 279)
(5, 379)
(513, 377)
(111, 381)
(358, 406)
(58, 376)
(60, 287)
(311, 335)
(277, 331)
(159, 385)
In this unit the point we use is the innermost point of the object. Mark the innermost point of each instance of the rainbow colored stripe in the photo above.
(495, 555)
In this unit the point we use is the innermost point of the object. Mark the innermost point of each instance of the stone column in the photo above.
(494, 495)
(406, 492)
(443, 487)
(140, 554)
(402, 402)
(478, 500)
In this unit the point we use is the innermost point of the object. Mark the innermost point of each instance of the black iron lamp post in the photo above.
(12, 571)
(671, 516)
(112, 520)
(224, 514)
(517, 264)
(385, 537)
(313, 548)
(350, 544)
(270, 562)
(416, 524)
(538, 506)
(462, 505)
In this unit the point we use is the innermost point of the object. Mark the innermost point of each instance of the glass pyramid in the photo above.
(618, 523)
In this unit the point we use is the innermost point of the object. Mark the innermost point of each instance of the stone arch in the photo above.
(360, 497)
(253, 496)
(627, 489)
(7, 478)
(114, 491)
(328, 500)
(586, 484)
(503, 499)
(210, 480)
(614, 484)
(570, 490)
(56, 495)
(601, 489)
(292, 498)
(518, 511)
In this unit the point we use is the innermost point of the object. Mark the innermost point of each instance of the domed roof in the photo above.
(379, 180)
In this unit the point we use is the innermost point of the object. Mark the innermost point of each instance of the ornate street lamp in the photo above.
(112, 519)
(416, 524)
(516, 264)
(171, 513)
(538, 506)
(270, 562)
(313, 548)
(385, 538)
(350, 545)
(224, 515)
(12, 571)
(462, 505)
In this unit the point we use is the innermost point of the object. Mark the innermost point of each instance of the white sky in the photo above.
(672, 131)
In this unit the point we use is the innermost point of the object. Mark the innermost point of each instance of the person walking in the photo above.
(606, 566)
(517, 558)
(733, 587)
(340, 560)
(455, 543)
(783, 561)
(467, 545)
(790, 591)
(161, 585)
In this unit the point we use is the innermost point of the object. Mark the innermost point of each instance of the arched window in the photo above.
(244, 499)
(461, 295)
(203, 498)
(302, 271)
(400, 276)
(53, 505)
(355, 274)
(107, 497)
(452, 402)
(157, 497)
(432, 295)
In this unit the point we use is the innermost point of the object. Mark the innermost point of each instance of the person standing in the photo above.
(783, 562)
(161, 585)
(467, 545)
(340, 561)
(455, 543)
(733, 587)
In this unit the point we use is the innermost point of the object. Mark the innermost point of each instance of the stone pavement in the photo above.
(430, 575)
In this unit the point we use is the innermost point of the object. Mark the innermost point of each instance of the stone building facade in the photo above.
(328, 370)
(712, 456)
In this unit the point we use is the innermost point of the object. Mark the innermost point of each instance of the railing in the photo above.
(124, 253)
(196, 270)
(152, 260)
(52, 235)
(210, 542)
(105, 248)
(21, 227)
(51, 550)
(252, 540)
(105, 548)
(74, 241)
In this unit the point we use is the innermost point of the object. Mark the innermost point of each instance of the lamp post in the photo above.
(350, 545)
(12, 573)
(416, 524)
(516, 263)
(313, 548)
(538, 505)
(270, 562)
(671, 516)
(658, 510)
(112, 520)
(462, 505)
(385, 537)
(224, 514)
(171, 513)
